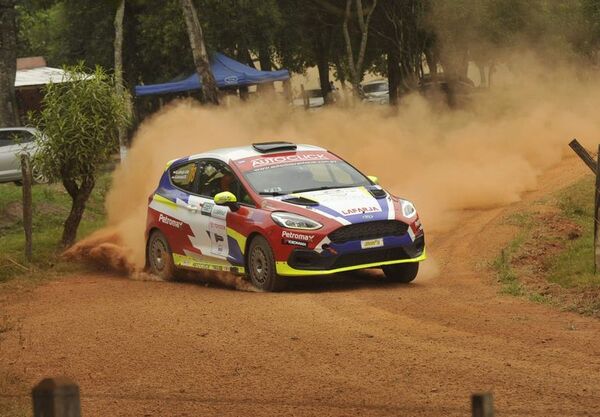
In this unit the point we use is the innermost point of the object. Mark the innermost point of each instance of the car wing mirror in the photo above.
(373, 179)
(226, 198)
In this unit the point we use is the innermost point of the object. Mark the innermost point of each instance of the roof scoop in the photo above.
(266, 147)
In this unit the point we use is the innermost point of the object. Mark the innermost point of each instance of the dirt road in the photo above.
(342, 346)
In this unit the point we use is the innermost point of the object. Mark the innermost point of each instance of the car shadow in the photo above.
(340, 282)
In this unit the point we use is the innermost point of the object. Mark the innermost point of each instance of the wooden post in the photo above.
(583, 154)
(597, 216)
(305, 98)
(482, 405)
(594, 165)
(27, 203)
(56, 397)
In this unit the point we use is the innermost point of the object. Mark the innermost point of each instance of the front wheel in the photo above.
(261, 266)
(160, 258)
(404, 273)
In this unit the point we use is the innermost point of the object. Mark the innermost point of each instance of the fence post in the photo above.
(597, 216)
(56, 397)
(305, 99)
(583, 154)
(27, 202)
(482, 405)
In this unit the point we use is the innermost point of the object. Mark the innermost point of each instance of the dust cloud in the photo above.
(485, 154)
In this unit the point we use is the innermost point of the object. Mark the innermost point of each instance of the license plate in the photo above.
(371, 243)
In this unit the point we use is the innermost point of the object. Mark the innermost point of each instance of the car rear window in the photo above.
(183, 176)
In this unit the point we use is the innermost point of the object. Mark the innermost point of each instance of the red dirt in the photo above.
(347, 345)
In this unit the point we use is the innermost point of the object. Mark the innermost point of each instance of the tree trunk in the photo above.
(323, 67)
(356, 67)
(242, 55)
(8, 63)
(264, 57)
(209, 85)
(79, 196)
(119, 73)
(393, 77)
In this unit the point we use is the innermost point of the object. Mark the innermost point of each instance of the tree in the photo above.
(399, 33)
(80, 119)
(8, 63)
(120, 89)
(364, 19)
(210, 91)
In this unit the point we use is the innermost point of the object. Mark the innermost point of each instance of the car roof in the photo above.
(228, 154)
(14, 129)
(378, 81)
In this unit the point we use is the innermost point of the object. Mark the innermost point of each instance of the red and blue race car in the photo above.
(278, 209)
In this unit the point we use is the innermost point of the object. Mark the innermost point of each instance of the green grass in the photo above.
(503, 263)
(51, 206)
(574, 267)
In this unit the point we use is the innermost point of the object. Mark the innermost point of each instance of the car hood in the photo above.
(345, 205)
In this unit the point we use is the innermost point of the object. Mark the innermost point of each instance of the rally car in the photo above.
(277, 209)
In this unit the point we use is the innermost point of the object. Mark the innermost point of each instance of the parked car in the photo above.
(15, 141)
(277, 209)
(376, 91)
(455, 93)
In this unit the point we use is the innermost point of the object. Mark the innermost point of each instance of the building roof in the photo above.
(39, 76)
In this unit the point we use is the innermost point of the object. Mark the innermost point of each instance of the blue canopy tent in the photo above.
(227, 73)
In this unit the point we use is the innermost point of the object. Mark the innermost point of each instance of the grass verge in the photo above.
(551, 259)
(51, 206)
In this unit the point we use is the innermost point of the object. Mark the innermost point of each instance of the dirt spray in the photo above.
(481, 156)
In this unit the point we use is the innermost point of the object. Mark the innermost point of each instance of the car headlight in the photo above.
(294, 221)
(408, 209)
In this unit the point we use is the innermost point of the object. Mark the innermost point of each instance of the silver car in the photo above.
(15, 141)
(376, 91)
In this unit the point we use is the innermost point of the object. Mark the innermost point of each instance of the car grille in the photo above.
(369, 230)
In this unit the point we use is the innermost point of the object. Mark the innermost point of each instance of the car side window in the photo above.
(216, 177)
(7, 138)
(184, 176)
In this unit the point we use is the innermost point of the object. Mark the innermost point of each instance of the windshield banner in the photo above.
(292, 158)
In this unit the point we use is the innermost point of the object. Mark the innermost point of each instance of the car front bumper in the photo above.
(303, 262)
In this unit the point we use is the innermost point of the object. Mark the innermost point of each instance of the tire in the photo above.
(261, 266)
(18, 183)
(37, 177)
(404, 273)
(160, 257)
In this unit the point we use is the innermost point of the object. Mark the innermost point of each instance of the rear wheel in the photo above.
(261, 266)
(160, 258)
(405, 272)
(37, 176)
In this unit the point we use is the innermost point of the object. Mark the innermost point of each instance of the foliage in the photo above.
(80, 121)
(80, 118)
(297, 34)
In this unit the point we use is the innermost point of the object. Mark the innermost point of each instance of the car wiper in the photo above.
(272, 193)
(326, 187)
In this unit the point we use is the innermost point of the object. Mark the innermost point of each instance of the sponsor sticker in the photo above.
(218, 244)
(297, 236)
(168, 220)
(293, 242)
(207, 208)
(360, 210)
(219, 212)
(294, 158)
(371, 243)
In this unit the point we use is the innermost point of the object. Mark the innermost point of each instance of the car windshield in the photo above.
(304, 177)
(375, 88)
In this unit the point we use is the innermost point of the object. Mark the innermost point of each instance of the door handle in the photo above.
(191, 207)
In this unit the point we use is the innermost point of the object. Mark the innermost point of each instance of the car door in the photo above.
(213, 179)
